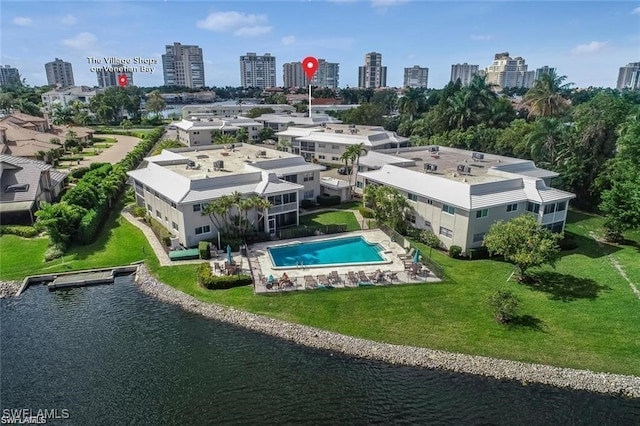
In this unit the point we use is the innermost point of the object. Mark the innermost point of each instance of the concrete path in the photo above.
(116, 152)
(157, 247)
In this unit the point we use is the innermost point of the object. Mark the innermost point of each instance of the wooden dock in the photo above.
(81, 280)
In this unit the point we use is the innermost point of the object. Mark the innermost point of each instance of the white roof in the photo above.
(375, 160)
(334, 183)
(170, 184)
(298, 131)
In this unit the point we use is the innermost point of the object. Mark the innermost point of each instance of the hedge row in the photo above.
(158, 229)
(328, 200)
(366, 212)
(213, 282)
(204, 249)
(19, 230)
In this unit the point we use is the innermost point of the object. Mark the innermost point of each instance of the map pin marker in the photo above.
(122, 80)
(310, 66)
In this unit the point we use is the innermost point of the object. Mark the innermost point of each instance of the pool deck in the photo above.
(393, 266)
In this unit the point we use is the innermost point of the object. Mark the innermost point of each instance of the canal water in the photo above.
(113, 355)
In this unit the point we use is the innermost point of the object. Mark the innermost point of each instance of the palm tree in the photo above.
(354, 153)
(283, 145)
(546, 140)
(224, 139)
(545, 98)
(260, 205)
(411, 102)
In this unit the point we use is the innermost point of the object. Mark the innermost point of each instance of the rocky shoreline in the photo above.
(628, 386)
(9, 288)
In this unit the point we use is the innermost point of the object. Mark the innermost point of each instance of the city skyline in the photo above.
(586, 41)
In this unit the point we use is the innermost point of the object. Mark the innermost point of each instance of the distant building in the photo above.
(629, 76)
(258, 71)
(9, 75)
(183, 65)
(201, 131)
(416, 77)
(59, 73)
(110, 78)
(64, 96)
(463, 72)
(372, 75)
(543, 70)
(327, 75)
(509, 72)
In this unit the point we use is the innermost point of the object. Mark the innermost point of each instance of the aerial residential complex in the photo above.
(201, 131)
(59, 73)
(183, 65)
(459, 194)
(372, 74)
(258, 71)
(9, 75)
(629, 76)
(416, 77)
(176, 185)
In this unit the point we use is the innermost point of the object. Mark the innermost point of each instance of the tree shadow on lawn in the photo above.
(565, 287)
(527, 321)
(586, 246)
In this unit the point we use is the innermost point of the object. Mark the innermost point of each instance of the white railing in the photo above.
(283, 208)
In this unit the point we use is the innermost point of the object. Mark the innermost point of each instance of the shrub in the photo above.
(478, 253)
(455, 251)
(79, 172)
(204, 250)
(366, 212)
(567, 243)
(306, 204)
(207, 280)
(504, 305)
(88, 227)
(160, 231)
(55, 251)
(139, 211)
(19, 230)
(235, 243)
(328, 200)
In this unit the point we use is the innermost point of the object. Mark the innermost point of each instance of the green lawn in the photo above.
(328, 218)
(582, 315)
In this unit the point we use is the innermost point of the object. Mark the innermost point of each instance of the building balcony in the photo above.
(282, 208)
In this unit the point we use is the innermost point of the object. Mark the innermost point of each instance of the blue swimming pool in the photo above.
(338, 251)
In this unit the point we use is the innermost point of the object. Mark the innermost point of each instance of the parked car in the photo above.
(344, 170)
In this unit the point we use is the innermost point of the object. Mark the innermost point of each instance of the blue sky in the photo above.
(586, 40)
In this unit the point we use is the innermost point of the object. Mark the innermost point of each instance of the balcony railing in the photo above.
(283, 208)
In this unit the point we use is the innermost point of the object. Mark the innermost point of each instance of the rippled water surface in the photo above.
(112, 355)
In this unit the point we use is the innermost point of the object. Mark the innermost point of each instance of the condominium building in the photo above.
(202, 131)
(64, 96)
(509, 72)
(546, 69)
(281, 122)
(326, 143)
(463, 72)
(222, 110)
(176, 185)
(372, 75)
(183, 65)
(629, 76)
(258, 71)
(416, 77)
(59, 73)
(9, 75)
(459, 194)
(110, 78)
(327, 75)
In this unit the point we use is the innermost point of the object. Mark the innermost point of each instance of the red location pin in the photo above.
(310, 66)
(122, 80)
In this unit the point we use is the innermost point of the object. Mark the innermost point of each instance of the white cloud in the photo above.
(594, 46)
(481, 37)
(23, 21)
(288, 40)
(636, 11)
(235, 22)
(69, 20)
(251, 31)
(83, 41)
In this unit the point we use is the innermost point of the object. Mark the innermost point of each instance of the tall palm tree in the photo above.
(546, 140)
(411, 102)
(355, 151)
(260, 205)
(224, 139)
(545, 97)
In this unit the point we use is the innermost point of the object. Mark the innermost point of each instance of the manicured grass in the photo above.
(582, 315)
(328, 218)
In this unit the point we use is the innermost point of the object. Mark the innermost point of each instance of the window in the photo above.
(335, 146)
(549, 208)
(307, 195)
(173, 205)
(446, 232)
(204, 206)
(335, 158)
(291, 178)
(533, 207)
(196, 207)
(155, 194)
(321, 145)
(158, 214)
(482, 213)
(412, 197)
(412, 218)
(512, 207)
(174, 226)
(149, 208)
(448, 209)
(321, 157)
(358, 184)
(307, 177)
(429, 201)
(561, 206)
(203, 229)
(427, 224)
(478, 238)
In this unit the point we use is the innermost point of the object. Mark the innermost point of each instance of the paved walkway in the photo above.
(156, 245)
(116, 152)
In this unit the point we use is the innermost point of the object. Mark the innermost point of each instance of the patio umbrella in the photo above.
(229, 259)
(416, 257)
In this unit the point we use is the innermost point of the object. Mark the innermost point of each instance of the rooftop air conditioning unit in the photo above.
(218, 165)
(461, 168)
(477, 156)
(339, 131)
(430, 168)
(434, 148)
(191, 164)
